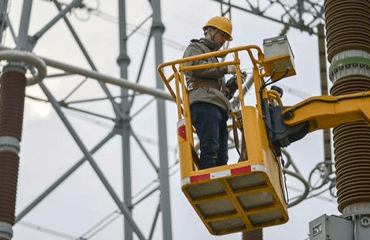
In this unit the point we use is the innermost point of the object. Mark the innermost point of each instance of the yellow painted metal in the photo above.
(324, 112)
(269, 64)
(248, 195)
(274, 96)
(243, 196)
(254, 198)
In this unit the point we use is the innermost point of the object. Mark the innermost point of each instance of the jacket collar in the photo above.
(212, 45)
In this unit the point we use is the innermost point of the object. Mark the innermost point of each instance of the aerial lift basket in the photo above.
(242, 196)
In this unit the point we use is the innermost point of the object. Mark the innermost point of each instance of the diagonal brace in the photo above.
(125, 211)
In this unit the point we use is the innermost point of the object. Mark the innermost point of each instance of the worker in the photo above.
(208, 94)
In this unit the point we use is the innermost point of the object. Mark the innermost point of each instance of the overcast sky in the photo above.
(48, 150)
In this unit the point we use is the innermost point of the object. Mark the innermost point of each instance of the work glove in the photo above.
(232, 84)
(231, 69)
(244, 76)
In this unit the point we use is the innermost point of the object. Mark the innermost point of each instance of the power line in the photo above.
(47, 230)
(101, 225)
(113, 19)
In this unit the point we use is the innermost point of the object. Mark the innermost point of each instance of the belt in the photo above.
(205, 84)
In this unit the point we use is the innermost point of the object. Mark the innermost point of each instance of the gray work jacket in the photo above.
(205, 85)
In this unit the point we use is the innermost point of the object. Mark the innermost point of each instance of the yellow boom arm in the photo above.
(325, 112)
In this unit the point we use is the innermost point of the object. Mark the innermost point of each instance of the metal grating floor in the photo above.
(236, 203)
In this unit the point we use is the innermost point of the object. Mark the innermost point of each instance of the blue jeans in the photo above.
(211, 125)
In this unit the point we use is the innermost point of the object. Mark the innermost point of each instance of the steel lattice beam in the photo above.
(301, 14)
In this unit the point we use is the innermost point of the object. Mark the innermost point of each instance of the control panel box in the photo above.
(331, 228)
(279, 58)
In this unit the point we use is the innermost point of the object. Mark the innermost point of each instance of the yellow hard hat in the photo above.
(221, 23)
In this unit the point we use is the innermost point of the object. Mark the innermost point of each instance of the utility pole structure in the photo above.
(324, 91)
(123, 122)
(165, 205)
(3, 18)
(13, 84)
(122, 110)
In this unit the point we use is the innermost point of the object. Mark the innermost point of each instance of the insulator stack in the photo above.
(8, 187)
(13, 83)
(347, 26)
(13, 86)
(348, 44)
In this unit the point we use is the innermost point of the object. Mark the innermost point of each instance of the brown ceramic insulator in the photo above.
(342, 164)
(9, 162)
(346, 184)
(340, 23)
(352, 149)
(13, 85)
(354, 140)
(341, 160)
(344, 43)
(335, 16)
(350, 196)
(362, 170)
(350, 187)
(347, 26)
(344, 128)
(347, 46)
(351, 146)
(342, 9)
(350, 84)
(344, 35)
(348, 90)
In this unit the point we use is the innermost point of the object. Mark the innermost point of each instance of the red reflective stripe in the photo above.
(207, 176)
(241, 170)
(182, 132)
(199, 178)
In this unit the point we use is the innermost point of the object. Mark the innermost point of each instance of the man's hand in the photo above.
(244, 76)
(231, 69)
(232, 86)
